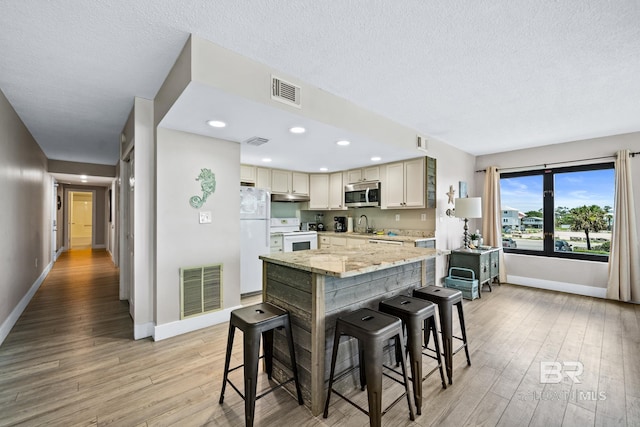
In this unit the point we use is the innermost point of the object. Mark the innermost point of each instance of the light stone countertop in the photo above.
(347, 262)
(369, 236)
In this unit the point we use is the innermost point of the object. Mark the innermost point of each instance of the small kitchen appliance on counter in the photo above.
(340, 225)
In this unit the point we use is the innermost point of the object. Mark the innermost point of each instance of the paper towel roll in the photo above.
(349, 225)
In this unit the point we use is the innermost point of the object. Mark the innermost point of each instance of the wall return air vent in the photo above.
(200, 290)
(285, 92)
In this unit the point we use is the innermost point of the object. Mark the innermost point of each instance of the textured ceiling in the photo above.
(484, 76)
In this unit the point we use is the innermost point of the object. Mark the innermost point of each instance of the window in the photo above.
(561, 212)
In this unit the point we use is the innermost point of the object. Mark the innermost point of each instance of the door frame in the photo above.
(67, 213)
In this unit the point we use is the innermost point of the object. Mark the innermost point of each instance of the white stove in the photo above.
(292, 238)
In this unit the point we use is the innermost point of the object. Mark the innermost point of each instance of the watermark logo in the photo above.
(555, 372)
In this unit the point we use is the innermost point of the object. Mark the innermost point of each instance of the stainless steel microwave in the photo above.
(362, 194)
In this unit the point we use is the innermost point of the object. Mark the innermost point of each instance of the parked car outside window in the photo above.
(508, 242)
(563, 246)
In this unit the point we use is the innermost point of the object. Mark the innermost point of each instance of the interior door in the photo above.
(81, 219)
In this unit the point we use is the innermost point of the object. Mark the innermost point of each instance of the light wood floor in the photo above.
(70, 360)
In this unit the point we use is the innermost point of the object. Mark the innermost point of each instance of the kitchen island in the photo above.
(317, 286)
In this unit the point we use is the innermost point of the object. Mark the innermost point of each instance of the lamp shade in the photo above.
(468, 207)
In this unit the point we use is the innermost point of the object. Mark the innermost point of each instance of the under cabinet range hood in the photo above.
(281, 197)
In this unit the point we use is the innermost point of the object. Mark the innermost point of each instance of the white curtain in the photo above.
(624, 259)
(492, 215)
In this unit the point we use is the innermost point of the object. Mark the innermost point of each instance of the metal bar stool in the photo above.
(416, 313)
(446, 298)
(372, 329)
(253, 321)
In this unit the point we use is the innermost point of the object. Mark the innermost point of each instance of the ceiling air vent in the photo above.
(285, 92)
(257, 141)
(421, 143)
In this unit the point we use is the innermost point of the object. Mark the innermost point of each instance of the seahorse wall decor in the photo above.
(207, 185)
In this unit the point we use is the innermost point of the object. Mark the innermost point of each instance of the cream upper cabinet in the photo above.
(280, 181)
(318, 191)
(300, 183)
(354, 175)
(247, 173)
(263, 178)
(393, 186)
(326, 191)
(414, 181)
(371, 173)
(404, 185)
(336, 191)
(364, 174)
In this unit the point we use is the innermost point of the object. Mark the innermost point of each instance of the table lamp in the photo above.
(468, 207)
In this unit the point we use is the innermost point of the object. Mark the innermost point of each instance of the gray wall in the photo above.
(26, 195)
(181, 240)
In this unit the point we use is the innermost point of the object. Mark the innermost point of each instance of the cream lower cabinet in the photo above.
(276, 244)
(338, 241)
(324, 242)
(356, 242)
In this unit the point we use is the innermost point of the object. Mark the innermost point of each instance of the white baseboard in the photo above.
(180, 327)
(571, 288)
(10, 321)
(59, 252)
(99, 246)
(143, 330)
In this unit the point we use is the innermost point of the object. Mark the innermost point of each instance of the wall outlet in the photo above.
(205, 217)
(423, 217)
(397, 217)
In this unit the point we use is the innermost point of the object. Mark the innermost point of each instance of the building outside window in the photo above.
(562, 212)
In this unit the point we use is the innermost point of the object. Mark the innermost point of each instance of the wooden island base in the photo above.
(321, 287)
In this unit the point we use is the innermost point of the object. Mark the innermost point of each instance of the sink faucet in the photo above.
(366, 223)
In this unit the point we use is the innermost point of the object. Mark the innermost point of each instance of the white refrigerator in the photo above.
(255, 216)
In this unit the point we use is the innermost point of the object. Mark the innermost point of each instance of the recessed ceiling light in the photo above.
(216, 123)
(297, 129)
(83, 176)
(266, 160)
(343, 142)
(376, 159)
(324, 169)
(83, 180)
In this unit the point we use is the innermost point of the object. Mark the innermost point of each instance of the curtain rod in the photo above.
(544, 165)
